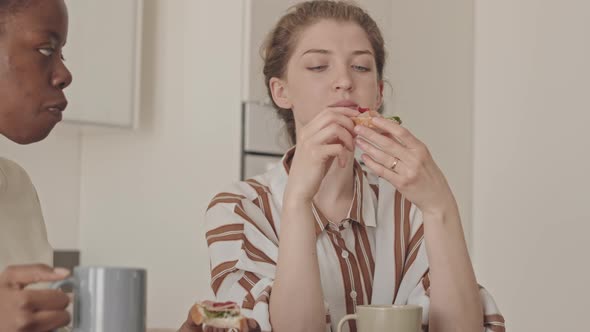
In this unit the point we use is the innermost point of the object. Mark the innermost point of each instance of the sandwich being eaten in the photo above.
(218, 314)
(364, 119)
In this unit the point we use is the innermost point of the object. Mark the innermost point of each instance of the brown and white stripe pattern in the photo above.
(242, 235)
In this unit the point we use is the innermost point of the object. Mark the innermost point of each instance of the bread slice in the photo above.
(364, 119)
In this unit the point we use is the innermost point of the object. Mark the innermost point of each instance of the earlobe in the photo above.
(279, 93)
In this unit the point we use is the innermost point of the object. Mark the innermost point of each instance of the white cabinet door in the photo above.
(103, 53)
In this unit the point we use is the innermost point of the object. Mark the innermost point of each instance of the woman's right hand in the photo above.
(32, 310)
(326, 138)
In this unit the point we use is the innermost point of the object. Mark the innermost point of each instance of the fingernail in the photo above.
(61, 271)
(357, 129)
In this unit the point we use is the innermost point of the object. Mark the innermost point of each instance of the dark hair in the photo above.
(279, 45)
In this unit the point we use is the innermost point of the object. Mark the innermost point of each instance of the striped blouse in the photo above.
(376, 255)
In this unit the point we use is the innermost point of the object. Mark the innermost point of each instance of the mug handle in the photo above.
(59, 284)
(344, 319)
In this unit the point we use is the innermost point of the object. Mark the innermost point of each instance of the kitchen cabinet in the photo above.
(103, 53)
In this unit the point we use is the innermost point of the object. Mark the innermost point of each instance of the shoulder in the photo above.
(240, 192)
(251, 203)
(252, 190)
(9, 167)
(12, 174)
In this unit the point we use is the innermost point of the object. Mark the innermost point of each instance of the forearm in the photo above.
(296, 302)
(455, 303)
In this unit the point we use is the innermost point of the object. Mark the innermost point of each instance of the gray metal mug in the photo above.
(107, 299)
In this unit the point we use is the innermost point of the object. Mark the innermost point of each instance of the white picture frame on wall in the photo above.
(103, 52)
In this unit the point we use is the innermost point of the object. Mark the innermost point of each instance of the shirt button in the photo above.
(345, 254)
(353, 295)
(346, 224)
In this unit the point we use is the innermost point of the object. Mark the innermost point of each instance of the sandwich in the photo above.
(218, 314)
(364, 119)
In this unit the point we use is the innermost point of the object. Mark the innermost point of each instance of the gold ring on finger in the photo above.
(392, 167)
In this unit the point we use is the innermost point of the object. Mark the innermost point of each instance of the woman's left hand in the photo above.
(404, 161)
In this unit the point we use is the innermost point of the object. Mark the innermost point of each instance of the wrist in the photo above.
(296, 197)
(296, 202)
(442, 213)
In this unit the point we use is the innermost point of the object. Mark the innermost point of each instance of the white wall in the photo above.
(531, 199)
(144, 193)
(54, 168)
(431, 72)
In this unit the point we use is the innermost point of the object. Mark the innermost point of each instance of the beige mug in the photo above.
(394, 318)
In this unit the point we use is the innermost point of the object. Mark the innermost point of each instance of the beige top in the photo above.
(23, 237)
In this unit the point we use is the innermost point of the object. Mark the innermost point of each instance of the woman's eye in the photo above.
(317, 68)
(46, 51)
(360, 68)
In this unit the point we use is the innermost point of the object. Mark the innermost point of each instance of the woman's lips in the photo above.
(346, 103)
